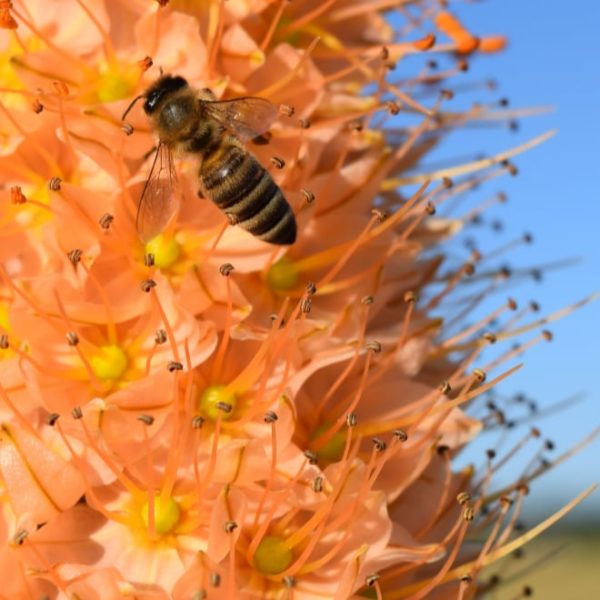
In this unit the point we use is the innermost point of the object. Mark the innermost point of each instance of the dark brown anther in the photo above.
(174, 366)
(356, 125)
(479, 375)
(311, 288)
(147, 285)
(392, 107)
(400, 434)
(523, 488)
(535, 432)
(263, 139)
(230, 526)
(20, 537)
(490, 337)
(52, 418)
(503, 102)
(61, 88)
(77, 413)
(527, 591)
(309, 197)
(305, 305)
(289, 581)
(74, 256)
(443, 449)
(367, 300)
(384, 53)
(380, 214)
(469, 269)
(163, 3)
(225, 269)
(270, 417)
(106, 220)
(37, 106)
(447, 182)
(534, 306)
(54, 184)
(146, 419)
(4, 342)
(390, 65)
(373, 346)
(197, 422)
(463, 497)
(445, 387)
(16, 195)
(432, 64)
(145, 63)
(304, 123)
(430, 208)
(215, 579)
(127, 128)
(379, 444)
(149, 260)
(547, 335)
(410, 297)
(160, 336)
(505, 501)
(490, 453)
(317, 484)
(224, 407)
(549, 445)
(462, 65)
(351, 419)
(277, 162)
(512, 304)
(287, 110)
(447, 94)
(72, 338)
(311, 456)
(233, 219)
(372, 579)
(527, 238)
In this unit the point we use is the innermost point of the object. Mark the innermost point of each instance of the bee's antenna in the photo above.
(131, 106)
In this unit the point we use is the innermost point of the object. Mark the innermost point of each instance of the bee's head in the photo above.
(161, 88)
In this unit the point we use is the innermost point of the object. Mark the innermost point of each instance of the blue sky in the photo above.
(552, 59)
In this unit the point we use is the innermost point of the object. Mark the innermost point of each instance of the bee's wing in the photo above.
(159, 200)
(246, 117)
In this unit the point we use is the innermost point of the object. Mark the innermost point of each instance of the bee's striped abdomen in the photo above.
(236, 182)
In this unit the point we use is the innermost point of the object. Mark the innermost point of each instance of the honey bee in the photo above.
(188, 121)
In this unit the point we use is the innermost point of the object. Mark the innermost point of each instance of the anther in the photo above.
(410, 297)
(305, 305)
(462, 65)
(311, 288)
(277, 162)
(379, 444)
(469, 269)
(225, 269)
(512, 304)
(270, 417)
(468, 513)
(356, 125)
(4, 341)
(52, 418)
(146, 419)
(390, 65)
(447, 182)
(400, 434)
(523, 488)
(127, 128)
(490, 337)
(463, 497)
(289, 581)
(430, 208)
(106, 220)
(490, 453)
(380, 214)
(304, 123)
(197, 422)
(160, 337)
(447, 94)
(372, 579)
(74, 256)
(287, 110)
(367, 300)
(311, 456)
(467, 579)
(479, 375)
(384, 53)
(392, 107)
(506, 501)
(149, 260)
(373, 346)
(163, 3)
(548, 335)
(215, 579)
(445, 387)
(147, 285)
(549, 445)
(16, 195)
(527, 238)
(309, 197)
(233, 219)
(72, 338)
(145, 63)
(527, 591)
(230, 526)
(351, 419)
(200, 594)
(20, 536)
(77, 413)
(317, 484)
(443, 449)
(224, 406)
(535, 432)
(61, 88)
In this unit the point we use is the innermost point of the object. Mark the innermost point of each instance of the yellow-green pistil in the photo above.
(166, 514)
(215, 401)
(271, 556)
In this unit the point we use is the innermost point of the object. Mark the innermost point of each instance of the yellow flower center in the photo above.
(166, 250)
(110, 362)
(215, 401)
(282, 275)
(166, 514)
(271, 556)
(116, 81)
(333, 449)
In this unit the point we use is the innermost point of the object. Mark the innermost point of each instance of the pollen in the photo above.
(109, 363)
(333, 449)
(282, 275)
(217, 400)
(166, 514)
(165, 249)
(271, 556)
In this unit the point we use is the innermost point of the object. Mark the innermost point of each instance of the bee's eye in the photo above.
(163, 87)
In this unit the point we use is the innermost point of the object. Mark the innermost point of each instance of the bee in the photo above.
(188, 121)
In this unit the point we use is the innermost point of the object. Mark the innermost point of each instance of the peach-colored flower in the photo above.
(206, 415)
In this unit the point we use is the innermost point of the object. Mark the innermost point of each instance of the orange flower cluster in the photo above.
(207, 415)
